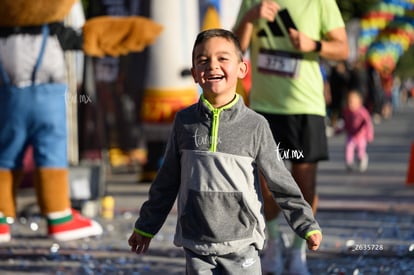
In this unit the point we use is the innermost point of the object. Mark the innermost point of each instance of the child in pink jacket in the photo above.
(359, 130)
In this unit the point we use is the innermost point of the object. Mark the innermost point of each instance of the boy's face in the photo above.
(217, 67)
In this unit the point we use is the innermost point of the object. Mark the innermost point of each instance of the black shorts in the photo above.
(300, 138)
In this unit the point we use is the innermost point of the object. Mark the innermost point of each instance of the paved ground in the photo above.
(367, 219)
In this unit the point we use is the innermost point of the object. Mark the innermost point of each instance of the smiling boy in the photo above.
(216, 149)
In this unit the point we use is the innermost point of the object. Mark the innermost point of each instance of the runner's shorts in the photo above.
(300, 138)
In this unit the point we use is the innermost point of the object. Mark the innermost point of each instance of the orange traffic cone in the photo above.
(410, 173)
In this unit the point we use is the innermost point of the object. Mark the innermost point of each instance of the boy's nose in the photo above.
(214, 65)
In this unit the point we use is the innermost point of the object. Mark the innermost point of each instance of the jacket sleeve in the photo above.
(163, 191)
(280, 182)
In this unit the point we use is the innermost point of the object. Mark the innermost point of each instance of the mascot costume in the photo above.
(32, 101)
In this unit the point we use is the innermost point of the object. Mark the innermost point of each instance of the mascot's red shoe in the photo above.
(76, 227)
(4, 231)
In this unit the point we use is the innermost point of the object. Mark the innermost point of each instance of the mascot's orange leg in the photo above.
(52, 191)
(9, 180)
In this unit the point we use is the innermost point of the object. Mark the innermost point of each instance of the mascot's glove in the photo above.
(114, 36)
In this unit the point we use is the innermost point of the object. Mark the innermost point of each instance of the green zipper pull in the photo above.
(214, 130)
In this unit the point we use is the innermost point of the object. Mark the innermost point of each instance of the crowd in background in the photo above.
(382, 95)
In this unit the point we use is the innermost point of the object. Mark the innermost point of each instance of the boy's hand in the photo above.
(314, 241)
(138, 243)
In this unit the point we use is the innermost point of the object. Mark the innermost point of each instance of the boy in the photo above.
(216, 149)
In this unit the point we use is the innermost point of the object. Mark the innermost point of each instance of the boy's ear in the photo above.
(194, 75)
(243, 69)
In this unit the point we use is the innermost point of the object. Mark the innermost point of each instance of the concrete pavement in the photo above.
(382, 186)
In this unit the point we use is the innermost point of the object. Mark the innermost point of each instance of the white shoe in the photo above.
(297, 263)
(272, 261)
(363, 165)
(330, 131)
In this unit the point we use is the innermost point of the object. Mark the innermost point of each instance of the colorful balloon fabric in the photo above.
(386, 33)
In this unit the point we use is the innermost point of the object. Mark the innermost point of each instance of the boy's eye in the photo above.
(202, 61)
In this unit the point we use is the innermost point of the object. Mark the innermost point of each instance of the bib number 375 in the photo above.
(279, 63)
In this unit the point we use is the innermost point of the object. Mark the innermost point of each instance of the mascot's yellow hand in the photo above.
(114, 36)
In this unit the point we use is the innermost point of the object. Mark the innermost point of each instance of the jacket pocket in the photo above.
(216, 217)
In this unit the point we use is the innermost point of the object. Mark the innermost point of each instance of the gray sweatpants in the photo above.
(243, 262)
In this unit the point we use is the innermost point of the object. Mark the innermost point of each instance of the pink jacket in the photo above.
(358, 124)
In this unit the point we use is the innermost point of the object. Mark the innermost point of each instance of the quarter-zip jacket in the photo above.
(211, 163)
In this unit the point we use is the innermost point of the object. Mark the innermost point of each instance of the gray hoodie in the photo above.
(211, 163)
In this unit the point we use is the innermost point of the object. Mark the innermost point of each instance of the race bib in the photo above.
(279, 63)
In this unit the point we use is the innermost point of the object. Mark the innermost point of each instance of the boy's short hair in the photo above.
(210, 33)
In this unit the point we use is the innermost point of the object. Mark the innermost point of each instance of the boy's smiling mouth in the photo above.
(215, 77)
